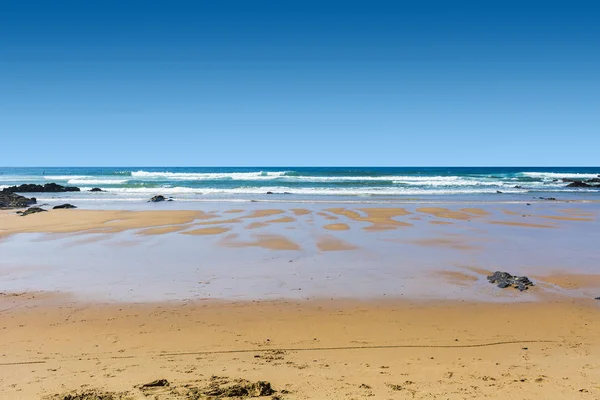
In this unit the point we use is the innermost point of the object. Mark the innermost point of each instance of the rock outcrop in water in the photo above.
(504, 280)
(580, 183)
(157, 199)
(96, 190)
(47, 188)
(13, 200)
(63, 206)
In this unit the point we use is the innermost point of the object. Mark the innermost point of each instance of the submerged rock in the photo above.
(504, 280)
(32, 210)
(157, 198)
(47, 188)
(579, 184)
(63, 206)
(13, 200)
(96, 190)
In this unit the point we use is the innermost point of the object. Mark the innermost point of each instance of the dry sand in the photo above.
(310, 350)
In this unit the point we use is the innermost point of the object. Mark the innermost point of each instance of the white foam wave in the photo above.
(559, 175)
(209, 175)
(388, 191)
(97, 181)
(65, 177)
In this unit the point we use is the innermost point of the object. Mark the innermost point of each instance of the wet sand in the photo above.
(363, 302)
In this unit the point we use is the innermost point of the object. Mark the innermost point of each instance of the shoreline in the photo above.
(258, 253)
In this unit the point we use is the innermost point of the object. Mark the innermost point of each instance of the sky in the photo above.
(299, 83)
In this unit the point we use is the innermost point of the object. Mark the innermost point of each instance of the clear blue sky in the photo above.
(285, 82)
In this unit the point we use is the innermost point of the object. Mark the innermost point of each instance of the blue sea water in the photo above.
(313, 184)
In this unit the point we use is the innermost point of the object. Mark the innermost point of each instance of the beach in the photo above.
(328, 300)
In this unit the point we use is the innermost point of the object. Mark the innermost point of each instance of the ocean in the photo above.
(312, 184)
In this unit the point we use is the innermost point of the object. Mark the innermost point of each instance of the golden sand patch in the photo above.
(221, 221)
(236, 211)
(441, 222)
(256, 225)
(264, 213)
(508, 212)
(161, 230)
(521, 224)
(207, 231)
(281, 220)
(271, 242)
(448, 242)
(475, 211)
(337, 227)
(572, 281)
(330, 243)
(327, 216)
(577, 212)
(105, 221)
(559, 218)
(445, 213)
(380, 218)
(300, 211)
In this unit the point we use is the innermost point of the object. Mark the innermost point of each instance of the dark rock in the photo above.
(241, 389)
(156, 199)
(156, 383)
(518, 187)
(13, 200)
(596, 298)
(499, 192)
(96, 190)
(547, 198)
(62, 206)
(579, 184)
(270, 193)
(593, 180)
(32, 210)
(528, 204)
(170, 200)
(504, 280)
(90, 395)
(47, 188)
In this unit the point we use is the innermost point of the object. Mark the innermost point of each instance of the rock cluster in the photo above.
(587, 183)
(31, 210)
(13, 200)
(504, 280)
(47, 188)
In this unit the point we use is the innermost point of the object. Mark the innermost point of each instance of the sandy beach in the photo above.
(321, 302)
